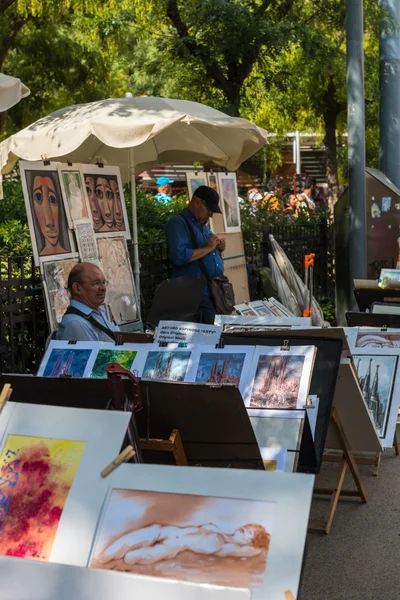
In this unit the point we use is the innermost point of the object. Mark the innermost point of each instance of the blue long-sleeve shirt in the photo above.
(181, 248)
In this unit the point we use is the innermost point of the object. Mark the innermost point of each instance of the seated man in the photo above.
(84, 320)
(184, 257)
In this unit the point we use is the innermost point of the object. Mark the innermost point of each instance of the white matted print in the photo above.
(375, 338)
(195, 180)
(129, 356)
(86, 240)
(121, 298)
(171, 363)
(51, 458)
(62, 358)
(206, 526)
(245, 310)
(55, 275)
(229, 365)
(74, 190)
(229, 201)
(47, 219)
(105, 194)
(262, 309)
(280, 379)
(380, 385)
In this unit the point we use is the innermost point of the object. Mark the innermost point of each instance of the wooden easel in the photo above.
(347, 461)
(173, 444)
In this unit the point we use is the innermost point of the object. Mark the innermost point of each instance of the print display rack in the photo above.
(199, 412)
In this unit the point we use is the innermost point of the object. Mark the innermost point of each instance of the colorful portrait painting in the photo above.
(376, 375)
(277, 381)
(166, 365)
(200, 539)
(220, 368)
(45, 209)
(36, 475)
(67, 361)
(55, 275)
(124, 358)
(106, 200)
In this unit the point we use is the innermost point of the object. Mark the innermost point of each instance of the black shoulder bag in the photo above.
(71, 310)
(221, 289)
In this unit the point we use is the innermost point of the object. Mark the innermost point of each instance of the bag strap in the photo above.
(195, 245)
(71, 310)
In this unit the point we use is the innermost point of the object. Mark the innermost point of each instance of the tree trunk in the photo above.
(331, 110)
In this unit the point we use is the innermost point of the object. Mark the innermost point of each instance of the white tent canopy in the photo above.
(158, 130)
(12, 90)
(135, 134)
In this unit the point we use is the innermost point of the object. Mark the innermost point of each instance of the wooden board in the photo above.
(236, 271)
(355, 418)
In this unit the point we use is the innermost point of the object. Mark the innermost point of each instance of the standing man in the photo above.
(164, 190)
(184, 258)
(84, 319)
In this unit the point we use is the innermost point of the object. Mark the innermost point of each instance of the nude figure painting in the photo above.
(201, 539)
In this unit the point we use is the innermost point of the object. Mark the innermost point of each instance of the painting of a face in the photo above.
(94, 206)
(46, 205)
(105, 200)
(118, 216)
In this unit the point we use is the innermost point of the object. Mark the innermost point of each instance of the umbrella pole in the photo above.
(136, 264)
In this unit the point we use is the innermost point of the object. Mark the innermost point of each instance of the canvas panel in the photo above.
(105, 195)
(229, 201)
(280, 378)
(121, 294)
(101, 433)
(47, 219)
(272, 517)
(55, 275)
(219, 366)
(31, 580)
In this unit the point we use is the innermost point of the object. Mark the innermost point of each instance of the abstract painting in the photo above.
(86, 241)
(74, 192)
(106, 199)
(36, 475)
(378, 340)
(124, 358)
(220, 368)
(47, 219)
(195, 180)
(277, 381)
(121, 296)
(229, 201)
(202, 539)
(376, 375)
(66, 361)
(55, 275)
(168, 365)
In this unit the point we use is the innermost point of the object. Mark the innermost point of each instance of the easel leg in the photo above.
(396, 443)
(377, 464)
(178, 449)
(325, 526)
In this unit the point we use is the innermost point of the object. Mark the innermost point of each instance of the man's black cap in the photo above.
(210, 198)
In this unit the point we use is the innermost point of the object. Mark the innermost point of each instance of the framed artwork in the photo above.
(229, 365)
(278, 308)
(195, 179)
(74, 190)
(51, 490)
(47, 219)
(55, 275)
(280, 379)
(86, 240)
(121, 298)
(169, 364)
(245, 310)
(229, 201)
(206, 526)
(377, 375)
(106, 200)
(262, 309)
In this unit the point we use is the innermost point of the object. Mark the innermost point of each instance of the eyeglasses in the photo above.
(97, 283)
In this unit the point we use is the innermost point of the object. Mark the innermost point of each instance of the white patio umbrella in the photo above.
(136, 133)
(12, 90)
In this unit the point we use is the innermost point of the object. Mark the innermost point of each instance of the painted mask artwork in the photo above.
(202, 539)
(106, 203)
(36, 475)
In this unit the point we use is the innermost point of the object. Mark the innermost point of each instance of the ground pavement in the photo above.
(360, 558)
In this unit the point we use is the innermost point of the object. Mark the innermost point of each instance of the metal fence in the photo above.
(23, 324)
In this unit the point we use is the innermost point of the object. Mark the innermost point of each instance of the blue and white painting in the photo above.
(67, 361)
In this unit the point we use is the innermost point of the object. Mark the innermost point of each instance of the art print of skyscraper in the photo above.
(220, 368)
(67, 362)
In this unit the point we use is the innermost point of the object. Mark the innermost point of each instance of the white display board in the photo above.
(181, 332)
